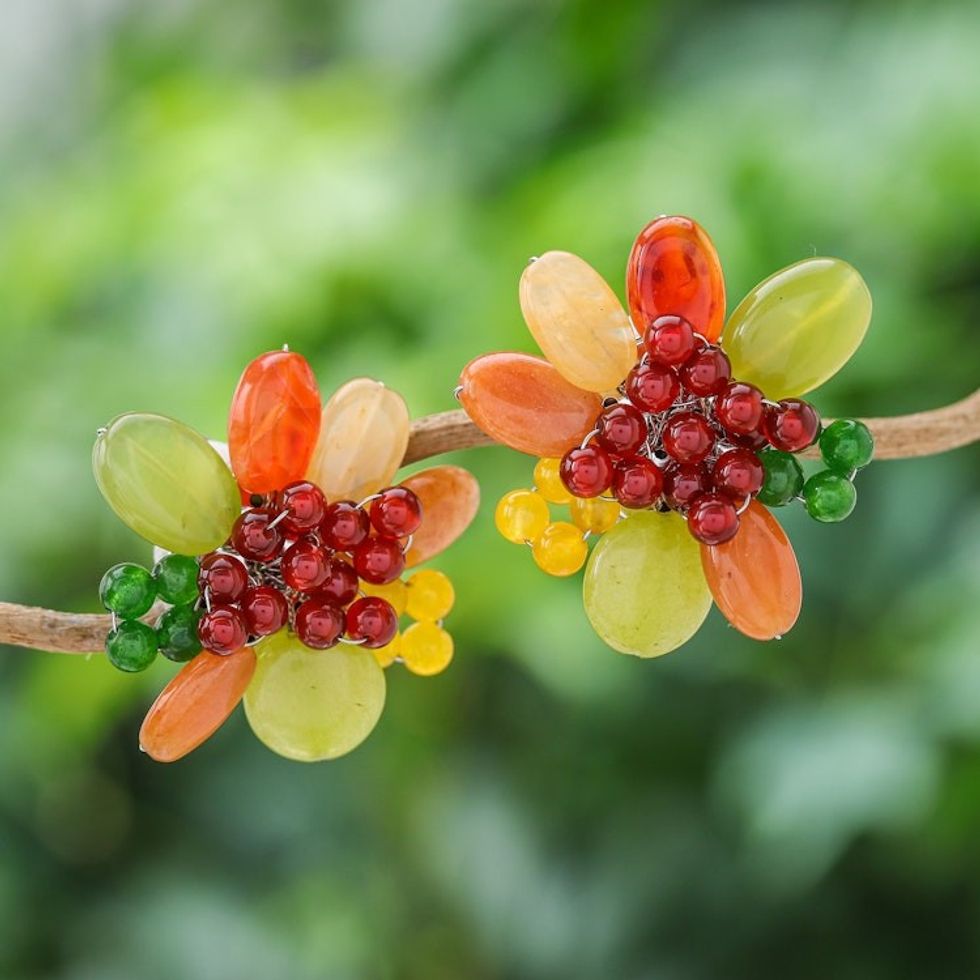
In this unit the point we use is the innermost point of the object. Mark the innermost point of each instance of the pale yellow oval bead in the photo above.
(363, 435)
(644, 590)
(799, 327)
(166, 482)
(578, 321)
(310, 705)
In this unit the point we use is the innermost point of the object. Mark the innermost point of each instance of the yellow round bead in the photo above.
(594, 514)
(561, 549)
(426, 649)
(548, 482)
(521, 516)
(395, 592)
(386, 655)
(430, 595)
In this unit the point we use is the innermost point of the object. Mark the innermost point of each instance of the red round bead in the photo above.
(637, 483)
(222, 630)
(688, 437)
(706, 372)
(319, 623)
(755, 440)
(304, 505)
(397, 512)
(792, 425)
(372, 620)
(345, 525)
(684, 482)
(652, 387)
(253, 538)
(341, 583)
(739, 407)
(379, 560)
(738, 473)
(225, 577)
(712, 518)
(586, 472)
(264, 609)
(622, 430)
(669, 340)
(305, 565)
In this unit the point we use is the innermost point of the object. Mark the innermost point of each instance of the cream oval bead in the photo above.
(799, 327)
(644, 590)
(363, 435)
(578, 321)
(166, 482)
(311, 705)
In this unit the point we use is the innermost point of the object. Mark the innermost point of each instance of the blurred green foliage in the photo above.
(188, 184)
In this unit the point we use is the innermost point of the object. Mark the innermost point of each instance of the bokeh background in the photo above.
(188, 183)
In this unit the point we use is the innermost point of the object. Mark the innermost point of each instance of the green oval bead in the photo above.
(177, 633)
(798, 328)
(783, 480)
(829, 497)
(847, 445)
(131, 646)
(176, 578)
(166, 482)
(128, 590)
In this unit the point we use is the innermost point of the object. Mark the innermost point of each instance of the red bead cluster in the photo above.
(686, 435)
(293, 559)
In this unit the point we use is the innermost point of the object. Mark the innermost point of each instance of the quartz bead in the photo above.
(652, 387)
(430, 595)
(783, 480)
(450, 498)
(177, 633)
(688, 437)
(712, 519)
(131, 646)
(846, 445)
(829, 497)
(128, 590)
(669, 340)
(791, 425)
(319, 623)
(396, 512)
(345, 525)
(372, 621)
(176, 579)
(265, 610)
(379, 560)
(395, 593)
(426, 649)
(304, 506)
(548, 482)
(586, 472)
(560, 550)
(522, 516)
(738, 473)
(255, 536)
(594, 514)
(222, 630)
(222, 577)
(739, 408)
(684, 482)
(622, 430)
(341, 583)
(706, 372)
(305, 566)
(637, 483)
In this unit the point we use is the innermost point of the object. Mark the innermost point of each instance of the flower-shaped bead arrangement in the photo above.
(669, 433)
(284, 561)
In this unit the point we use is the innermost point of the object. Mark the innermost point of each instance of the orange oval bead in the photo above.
(754, 577)
(274, 422)
(450, 498)
(674, 268)
(194, 705)
(523, 402)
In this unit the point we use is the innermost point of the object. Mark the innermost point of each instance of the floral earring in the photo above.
(670, 434)
(279, 561)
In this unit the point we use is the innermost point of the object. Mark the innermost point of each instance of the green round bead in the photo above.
(177, 633)
(847, 445)
(176, 578)
(783, 480)
(127, 590)
(131, 646)
(829, 497)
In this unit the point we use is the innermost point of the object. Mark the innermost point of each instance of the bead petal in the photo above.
(196, 702)
(450, 498)
(644, 590)
(523, 402)
(754, 577)
(799, 327)
(578, 321)
(363, 436)
(166, 483)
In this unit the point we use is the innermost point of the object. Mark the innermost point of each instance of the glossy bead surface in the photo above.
(682, 483)
(379, 560)
(652, 387)
(595, 514)
(254, 537)
(792, 425)
(386, 655)
(363, 435)
(673, 268)
(395, 593)
(345, 525)
(274, 422)
(669, 340)
(340, 585)
(373, 621)
(430, 595)
(548, 483)
(712, 518)
(131, 646)
(829, 497)
(706, 372)
(304, 506)
(783, 479)
(309, 705)
(577, 320)
(754, 578)
(195, 704)
(397, 512)
(523, 402)
(222, 630)
(319, 623)
(166, 483)
(688, 437)
(637, 483)
(176, 579)
(223, 577)
(587, 471)
(305, 565)
(644, 590)
(622, 429)
(128, 590)
(738, 473)
(846, 445)
(426, 649)
(450, 498)
(560, 550)
(797, 328)
(521, 516)
(739, 408)
(264, 609)
(177, 637)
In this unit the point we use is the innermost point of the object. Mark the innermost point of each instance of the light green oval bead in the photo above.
(165, 482)
(799, 327)
(644, 590)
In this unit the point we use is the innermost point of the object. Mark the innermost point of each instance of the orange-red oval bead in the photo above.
(450, 498)
(274, 422)
(674, 269)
